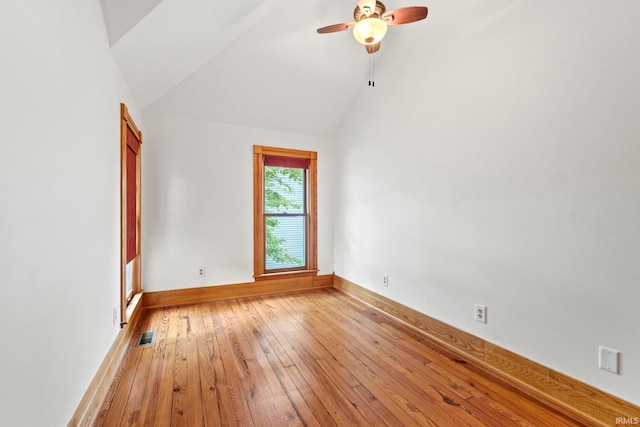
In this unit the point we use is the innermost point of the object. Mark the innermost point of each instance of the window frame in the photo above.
(311, 232)
(129, 301)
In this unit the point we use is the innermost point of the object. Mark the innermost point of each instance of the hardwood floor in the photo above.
(313, 358)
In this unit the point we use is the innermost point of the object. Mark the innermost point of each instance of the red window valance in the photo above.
(286, 162)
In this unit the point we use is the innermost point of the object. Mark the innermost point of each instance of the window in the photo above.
(130, 153)
(285, 203)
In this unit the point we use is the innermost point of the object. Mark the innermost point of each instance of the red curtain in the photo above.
(131, 177)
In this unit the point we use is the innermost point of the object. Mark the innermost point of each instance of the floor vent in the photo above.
(146, 338)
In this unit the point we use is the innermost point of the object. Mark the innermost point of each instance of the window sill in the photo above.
(286, 275)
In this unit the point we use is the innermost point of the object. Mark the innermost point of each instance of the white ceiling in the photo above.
(255, 63)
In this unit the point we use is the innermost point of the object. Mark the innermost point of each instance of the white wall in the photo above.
(198, 201)
(59, 210)
(501, 165)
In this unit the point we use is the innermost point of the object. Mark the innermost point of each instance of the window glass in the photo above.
(284, 190)
(285, 242)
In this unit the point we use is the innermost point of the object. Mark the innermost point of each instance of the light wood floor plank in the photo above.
(150, 398)
(372, 370)
(301, 349)
(233, 403)
(274, 354)
(206, 370)
(143, 383)
(278, 340)
(447, 366)
(412, 373)
(280, 409)
(123, 383)
(361, 362)
(313, 358)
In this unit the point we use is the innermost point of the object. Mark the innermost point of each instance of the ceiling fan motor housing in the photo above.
(359, 13)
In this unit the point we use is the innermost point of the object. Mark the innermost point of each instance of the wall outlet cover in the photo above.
(609, 360)
(480, 314)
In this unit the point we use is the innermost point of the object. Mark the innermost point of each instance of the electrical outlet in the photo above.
(385, 280)
(115, 315)
(201, 272)
(609, 360)
(481, 313)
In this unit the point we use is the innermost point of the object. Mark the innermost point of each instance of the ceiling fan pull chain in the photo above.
(373, 70)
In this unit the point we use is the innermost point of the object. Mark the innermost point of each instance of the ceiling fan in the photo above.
(371, 20)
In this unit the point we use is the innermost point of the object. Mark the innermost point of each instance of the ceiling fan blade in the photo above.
(405, 15)
(372, 48)
(335, 28)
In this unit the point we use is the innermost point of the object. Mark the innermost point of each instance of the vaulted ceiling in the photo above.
(254, 63)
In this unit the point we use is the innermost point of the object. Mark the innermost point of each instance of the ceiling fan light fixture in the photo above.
(369, 30)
